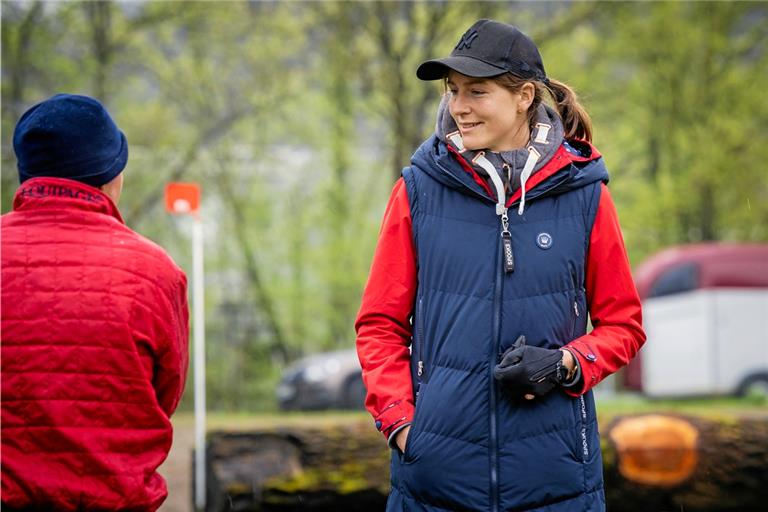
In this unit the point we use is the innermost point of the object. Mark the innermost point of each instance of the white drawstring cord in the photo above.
(501, 199)
(530, 163)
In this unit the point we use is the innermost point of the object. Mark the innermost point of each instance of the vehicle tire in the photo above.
(754, 385)
(354, 392)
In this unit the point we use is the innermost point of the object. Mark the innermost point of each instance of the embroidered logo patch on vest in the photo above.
(544, 240)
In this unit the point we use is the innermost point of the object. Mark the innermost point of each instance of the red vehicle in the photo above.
(705, 309)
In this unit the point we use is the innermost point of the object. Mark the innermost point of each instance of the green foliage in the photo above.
(296, 118)
(682, 120)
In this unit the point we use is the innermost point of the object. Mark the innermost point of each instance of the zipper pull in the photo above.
(508, 260)
(576, 308)
(421, 369)
(506, 243)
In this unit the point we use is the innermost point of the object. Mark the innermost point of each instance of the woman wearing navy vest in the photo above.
(497, 243)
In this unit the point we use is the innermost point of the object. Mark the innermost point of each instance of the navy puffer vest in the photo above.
(471, 446)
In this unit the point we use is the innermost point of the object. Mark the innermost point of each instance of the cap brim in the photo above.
(438, 68)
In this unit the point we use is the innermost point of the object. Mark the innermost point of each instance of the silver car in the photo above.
(329, 380)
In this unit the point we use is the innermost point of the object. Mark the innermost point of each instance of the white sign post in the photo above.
(184, 198)
(199, 340)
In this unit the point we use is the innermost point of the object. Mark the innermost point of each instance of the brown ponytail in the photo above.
(576, 122)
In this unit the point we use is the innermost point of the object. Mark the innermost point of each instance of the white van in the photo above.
(705, 313)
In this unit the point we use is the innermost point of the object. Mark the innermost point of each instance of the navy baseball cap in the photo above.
(489, 48)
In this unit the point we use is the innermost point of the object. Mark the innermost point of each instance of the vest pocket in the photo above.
(407, 455)
(578, 306)
(417, 369)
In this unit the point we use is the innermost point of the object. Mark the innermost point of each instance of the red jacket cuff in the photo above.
(587, 361)
(394, 415)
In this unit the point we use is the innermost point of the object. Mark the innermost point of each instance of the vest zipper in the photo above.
(493, 420)
(419, 345)
(576, 312)
(507, 263)
(504, 250)
(508, 257)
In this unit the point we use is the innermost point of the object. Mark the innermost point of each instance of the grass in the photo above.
(708, 407)
(608, 407)
(222, 420)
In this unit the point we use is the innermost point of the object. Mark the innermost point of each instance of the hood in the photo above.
(510, 176)
(545, 138)
(573, 165)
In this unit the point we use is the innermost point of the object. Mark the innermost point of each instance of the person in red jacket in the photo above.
(497, 242)
(94, 324)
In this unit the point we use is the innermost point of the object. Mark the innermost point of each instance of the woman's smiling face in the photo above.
(488, 115)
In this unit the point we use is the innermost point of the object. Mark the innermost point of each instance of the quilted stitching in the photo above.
(94, 356)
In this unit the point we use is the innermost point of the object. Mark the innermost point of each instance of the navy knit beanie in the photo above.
(69, 136)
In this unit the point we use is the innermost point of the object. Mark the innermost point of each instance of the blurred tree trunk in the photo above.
(297, 240)
(342, 142)
(100, 18)
(211, 131)
(278, 345)
(17, 63)
(406, 33)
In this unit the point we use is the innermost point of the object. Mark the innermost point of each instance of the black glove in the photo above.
(530, 370)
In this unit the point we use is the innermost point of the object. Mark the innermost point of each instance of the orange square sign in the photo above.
(182, 198)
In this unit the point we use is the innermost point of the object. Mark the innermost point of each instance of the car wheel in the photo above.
(754, 385)
(354, 392)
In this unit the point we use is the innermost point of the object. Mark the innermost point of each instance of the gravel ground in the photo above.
(177, 468)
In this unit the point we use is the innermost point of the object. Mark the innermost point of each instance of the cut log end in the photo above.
(656, 450)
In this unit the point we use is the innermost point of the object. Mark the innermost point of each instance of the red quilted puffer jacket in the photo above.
(94, 353)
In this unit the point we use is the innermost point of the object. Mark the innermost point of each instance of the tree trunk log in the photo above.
(658, 463)
(341, 467)
(674, 463)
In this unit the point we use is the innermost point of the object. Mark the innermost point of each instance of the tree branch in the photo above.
(278, 347)
(204, 139)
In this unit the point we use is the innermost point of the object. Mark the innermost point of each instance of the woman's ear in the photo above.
(527, 93)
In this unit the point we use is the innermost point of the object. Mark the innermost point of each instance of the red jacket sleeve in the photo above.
(614, 304)
(383, 324)
(172, 357)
